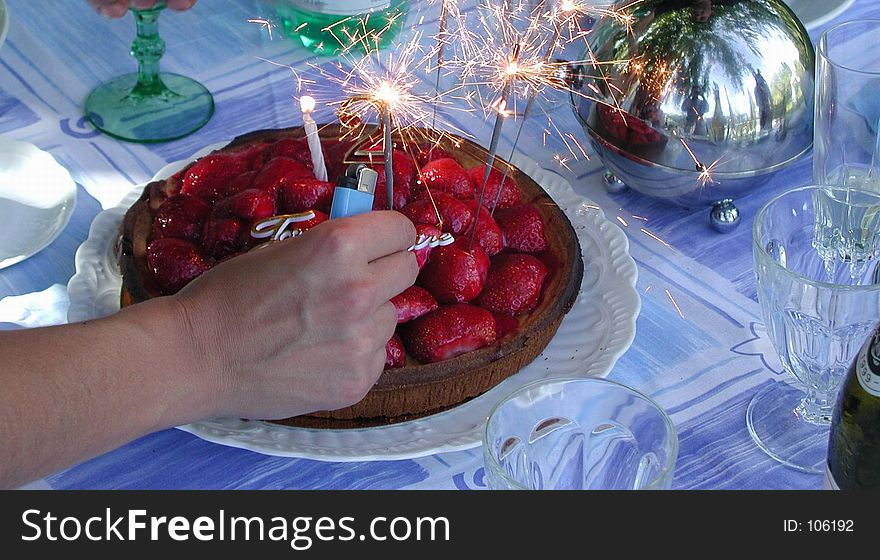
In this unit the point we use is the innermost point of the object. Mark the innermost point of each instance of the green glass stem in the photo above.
(148, 48)
(149, 105)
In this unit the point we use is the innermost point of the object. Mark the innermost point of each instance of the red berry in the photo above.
(293, 148)
(181, 216)
(208, 177)
(253, 155)
(224, 236)
(413, 303)
(160, 191)
(428, 231)
(447, 332)
(250, 205)
(448, 176)
(278, 172)
(514, 284)
(488, 233)
(404, 174)
(455, 275)
(455, 214)
(395, 354)
(303, 194)
(505, 324)
(240, 183)
(509, 190)
(522, 228)
(428, 152)
(174, 263)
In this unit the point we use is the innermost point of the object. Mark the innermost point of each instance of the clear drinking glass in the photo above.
(817, 267)
(149, 105)
(579, 434)
(847, 118)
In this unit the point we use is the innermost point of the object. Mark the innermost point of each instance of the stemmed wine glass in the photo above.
(149, 105)
(817, 256)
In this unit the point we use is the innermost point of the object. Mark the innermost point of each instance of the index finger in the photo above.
(379, 233)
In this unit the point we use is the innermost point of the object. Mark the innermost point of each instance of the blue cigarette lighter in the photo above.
(354, 192)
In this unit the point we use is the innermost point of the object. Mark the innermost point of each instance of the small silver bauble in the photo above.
(703, 101)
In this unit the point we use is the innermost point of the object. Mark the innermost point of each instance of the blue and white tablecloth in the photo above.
(701, 361)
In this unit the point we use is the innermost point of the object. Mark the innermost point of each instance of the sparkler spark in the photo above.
(705, 176)
(263, 23)
(378, 84)
(655, 237)
(489, 71)
(674, 303)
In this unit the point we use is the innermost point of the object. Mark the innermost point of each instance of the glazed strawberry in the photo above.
(455, 275)
(505, 324)
(428, 152)
(181, 216)
(447, 332)
(488, 233)
(404, 175)
(174, 263)
(429, 231)
(306, 194)
(395, 354)
(278, 172)
(514, 284)
(253, 156)
(207, 178)
(446, 175)
(160, 191)
(456, 216)
(224, 236)
(240, 183)
(412, 303)
(509, 190)
(522, 228)
(293, 148)
(250, 205)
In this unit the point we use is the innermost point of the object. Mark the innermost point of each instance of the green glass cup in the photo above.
(149, 105)
(331, 27)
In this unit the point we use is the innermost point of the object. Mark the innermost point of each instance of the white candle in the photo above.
(307, 104)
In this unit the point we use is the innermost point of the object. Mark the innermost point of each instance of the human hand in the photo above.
(118, 8)
(301, 325)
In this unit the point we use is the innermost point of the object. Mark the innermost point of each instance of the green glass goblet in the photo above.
(149, 105)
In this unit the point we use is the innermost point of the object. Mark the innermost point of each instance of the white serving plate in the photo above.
(597, 330)
(37, 199)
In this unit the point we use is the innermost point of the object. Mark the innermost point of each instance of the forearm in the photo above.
(71, 392)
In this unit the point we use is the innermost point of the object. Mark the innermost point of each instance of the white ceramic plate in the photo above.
(814, 13)
(597, 330)
(37, 198)
(4, 21)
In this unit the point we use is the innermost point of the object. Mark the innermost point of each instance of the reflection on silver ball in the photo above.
(724, 216)
(711, 97)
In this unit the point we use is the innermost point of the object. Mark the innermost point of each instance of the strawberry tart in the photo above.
(479, 311)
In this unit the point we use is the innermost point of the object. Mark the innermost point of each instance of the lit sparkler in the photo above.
(484, 62)
(447, 8)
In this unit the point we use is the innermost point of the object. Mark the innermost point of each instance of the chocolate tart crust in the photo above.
(416, 390)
